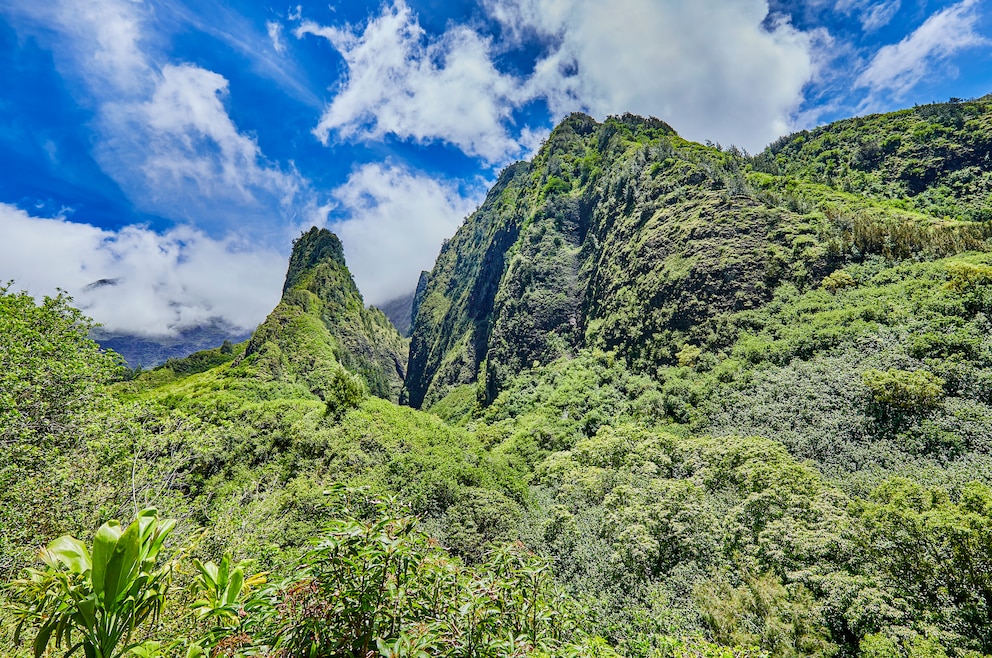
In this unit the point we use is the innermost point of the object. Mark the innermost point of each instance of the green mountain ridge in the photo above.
(933, 158)
(623, 236)
(322, 321)
(678, 402)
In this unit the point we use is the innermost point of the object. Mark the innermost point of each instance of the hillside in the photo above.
(677, 402)
(931, 158)
(624, 237)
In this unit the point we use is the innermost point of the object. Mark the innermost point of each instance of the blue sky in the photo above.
(176, 148)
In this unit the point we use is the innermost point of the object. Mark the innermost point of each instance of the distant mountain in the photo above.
(322, 323)
(148, 352)
(400, 312)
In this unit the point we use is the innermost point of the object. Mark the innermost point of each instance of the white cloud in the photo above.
(186, 147)
(712, 69)
(878, 16)
(163, 132)
(899, 67)
(110, 36)
(275, 33)
(162, 282)
(872, 15)
(403, 83)
(395, 222)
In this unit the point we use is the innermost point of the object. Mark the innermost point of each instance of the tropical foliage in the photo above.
(678, 401)
(93, 600)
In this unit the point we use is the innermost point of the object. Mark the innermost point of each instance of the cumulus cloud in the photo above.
(714, 70)
(394, 221)
(179, 154)
(899, 67)
(401, 82)
(155, 284)
(163, 132)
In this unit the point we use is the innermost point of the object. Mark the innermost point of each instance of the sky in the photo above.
(159, 157)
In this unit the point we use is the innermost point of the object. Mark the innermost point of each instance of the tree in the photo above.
(936, 554)
(50, 370)
(898, 394)
(52, 380)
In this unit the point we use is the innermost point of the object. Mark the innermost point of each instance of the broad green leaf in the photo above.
(195, 651)
(146, 522)
(162, 531)
(210, 575)
(234, 586)
(87, 609)
(104, 544)
(123, 564)
(222, 571)
(72, 553)
(41, 640)
(149, 649)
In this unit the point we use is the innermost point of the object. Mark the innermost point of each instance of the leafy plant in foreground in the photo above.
(94, 600)
(226, 596)
(375, 585)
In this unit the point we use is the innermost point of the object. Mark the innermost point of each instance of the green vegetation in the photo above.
(50, 371)
(624, 237)
(93, 600)
(322, 316)
(368, 584)
(52, 387)
(930, 158)
(677, 402)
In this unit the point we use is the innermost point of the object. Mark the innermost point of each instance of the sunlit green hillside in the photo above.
(663, 400)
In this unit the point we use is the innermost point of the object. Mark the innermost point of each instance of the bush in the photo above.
(374, 584)
(838, 280)
(902, 390)
(93, 601)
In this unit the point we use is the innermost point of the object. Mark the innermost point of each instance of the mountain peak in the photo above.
(312, 248)
(623, 237)
(321, 324)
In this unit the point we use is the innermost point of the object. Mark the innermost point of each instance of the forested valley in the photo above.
(659, 399)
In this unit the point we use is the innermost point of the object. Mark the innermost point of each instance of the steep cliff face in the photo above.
(418, 296)
(454, 314)
(321, 324)
(623, 236)
(509, 289)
